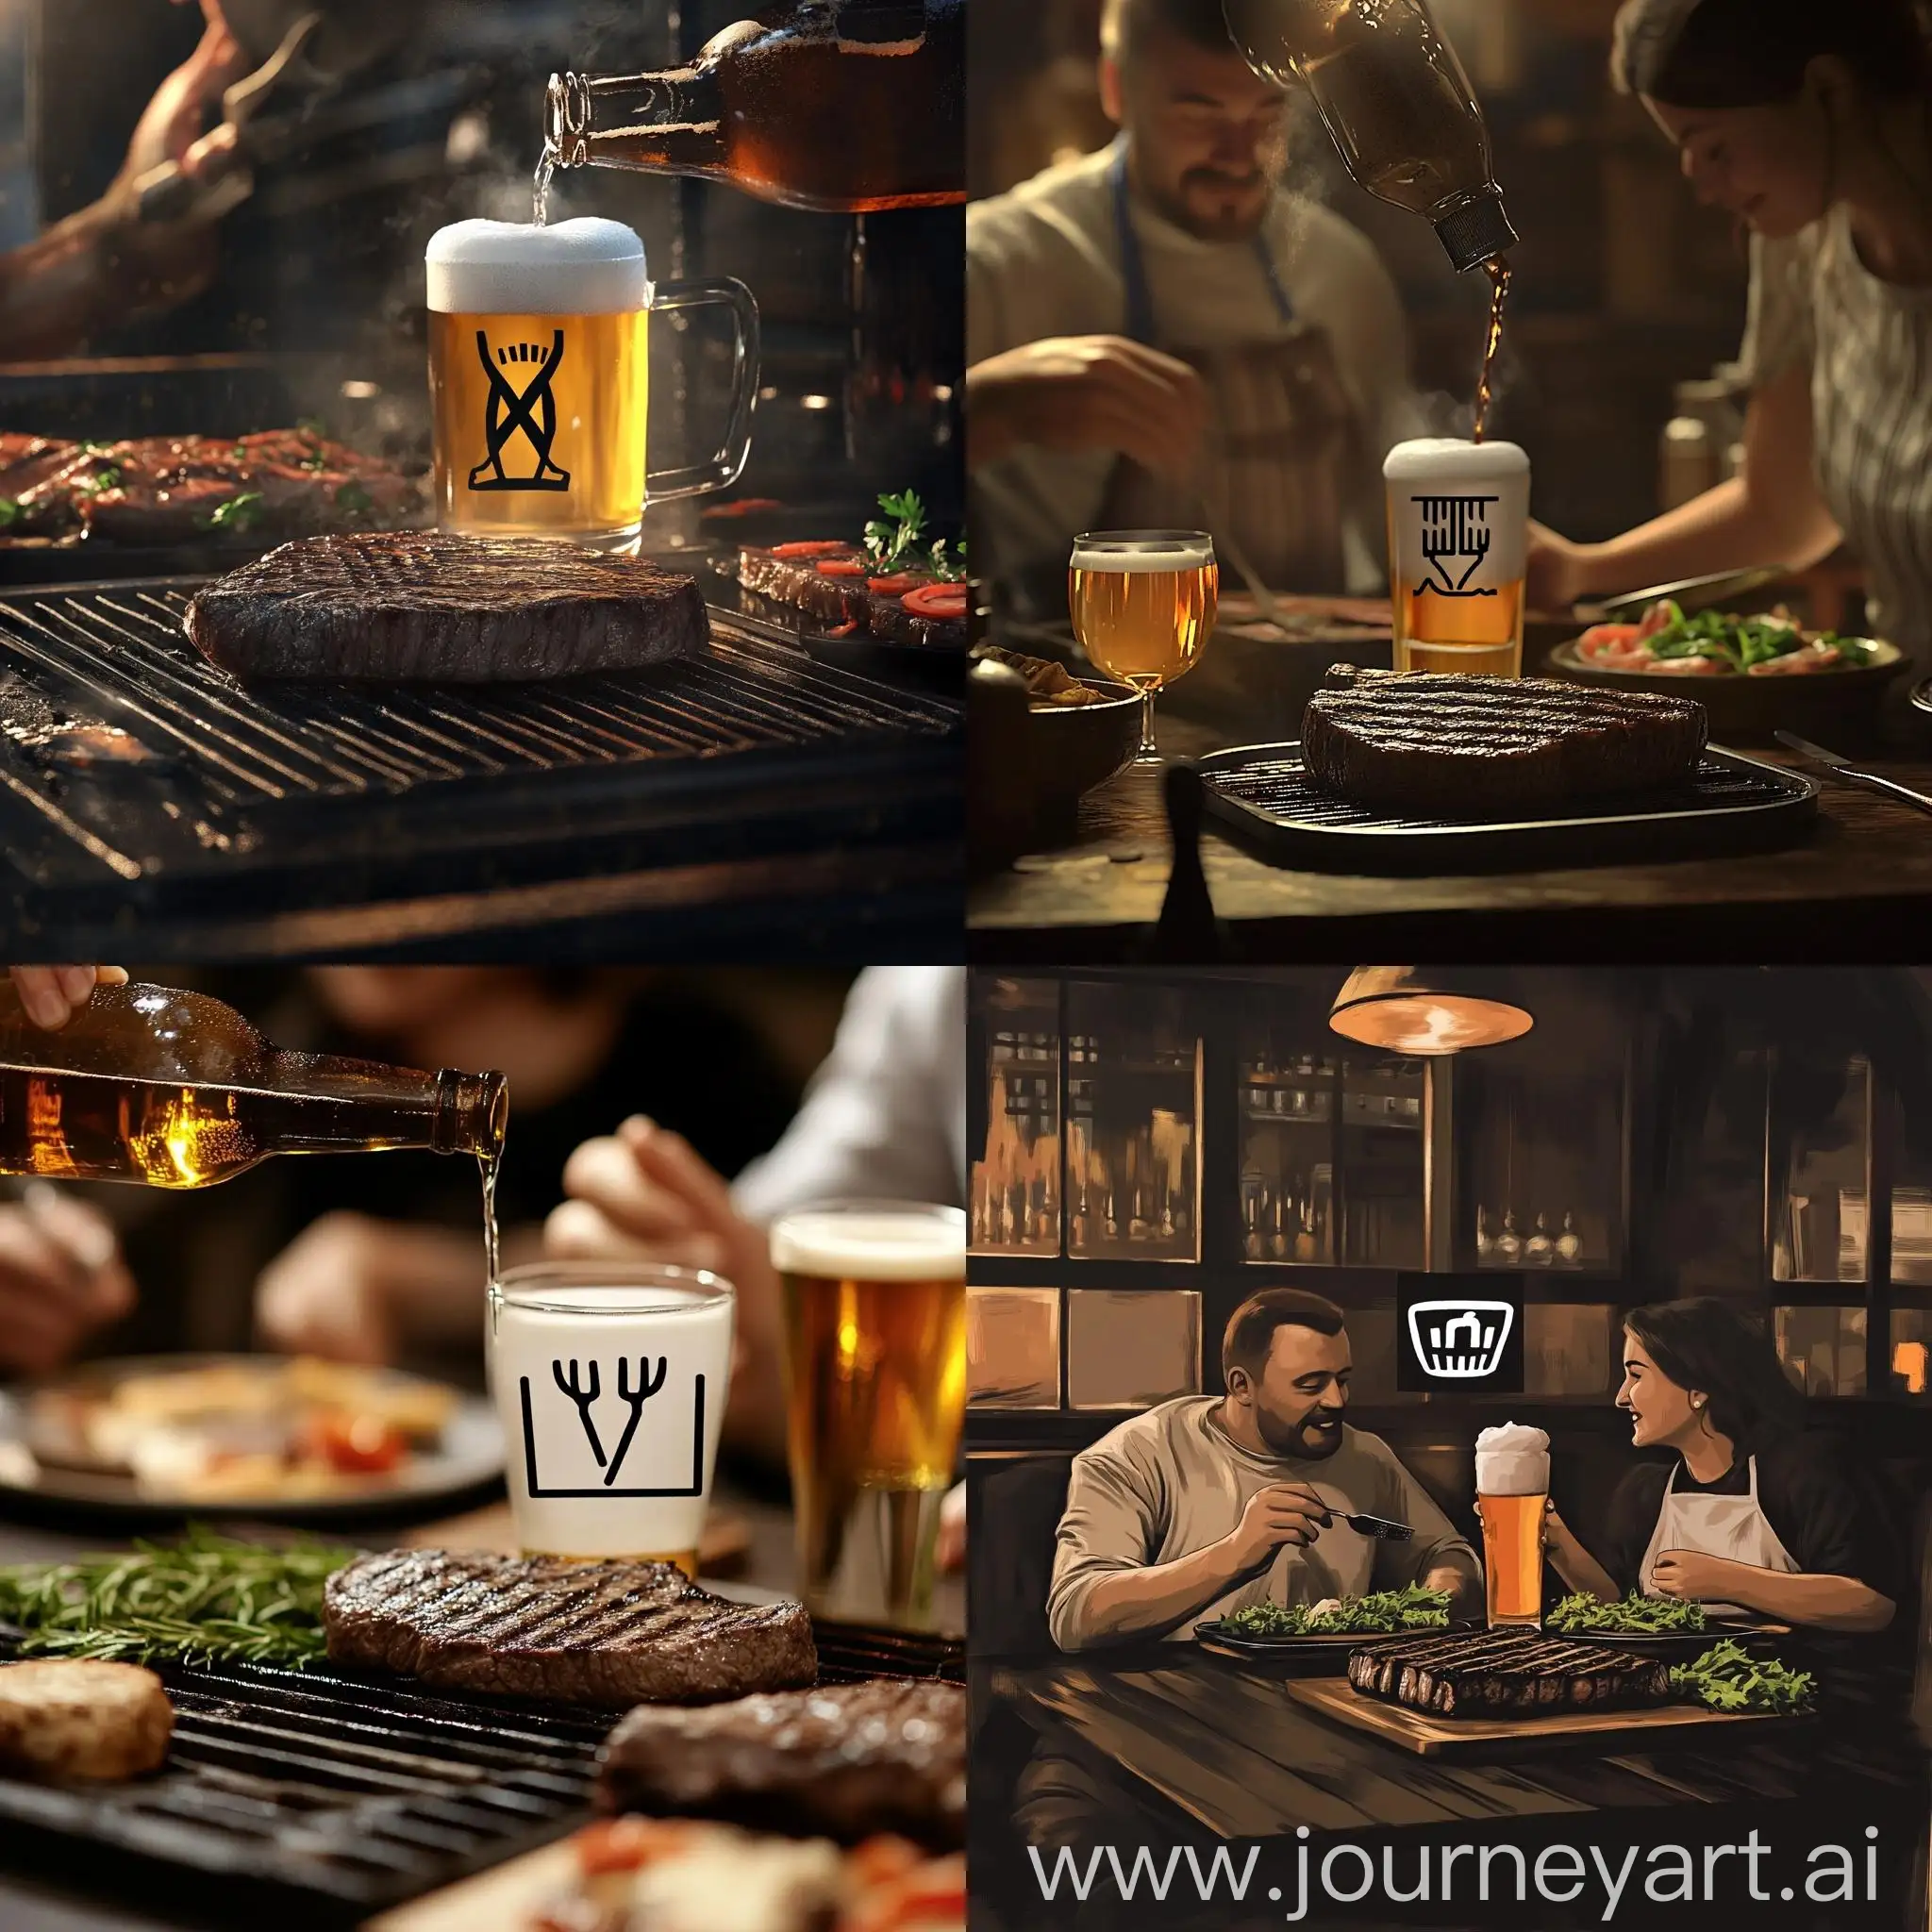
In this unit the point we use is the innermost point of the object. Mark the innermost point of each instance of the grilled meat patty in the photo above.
(542, 1627)
(1505, 1674)
(78, 1718)
(792, 575)
(846, 1760)
(1465, 746)
(427, 607)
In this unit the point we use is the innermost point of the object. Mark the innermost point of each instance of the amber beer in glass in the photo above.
(1143, 604)
(874, 1318)
(1458, 538)
(540, 380)
(1512, 1486)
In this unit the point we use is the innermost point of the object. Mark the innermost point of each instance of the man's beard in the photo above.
(1301, 1437)
(1186, 213)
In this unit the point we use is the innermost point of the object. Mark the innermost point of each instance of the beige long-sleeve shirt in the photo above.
(1172, 1481)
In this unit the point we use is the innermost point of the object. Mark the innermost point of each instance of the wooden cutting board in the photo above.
(504, 1899)
(1458, 1736)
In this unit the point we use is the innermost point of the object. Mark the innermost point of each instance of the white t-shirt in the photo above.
(1868, 344)
(1044, 260)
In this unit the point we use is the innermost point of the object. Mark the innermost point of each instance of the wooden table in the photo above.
(1845, 893)
(1204, 1749)
(31, 1905)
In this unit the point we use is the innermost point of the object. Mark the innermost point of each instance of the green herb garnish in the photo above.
(1728, 1677)
(1412, 1608)
(312, 427)
(1634, 1615)
(9, 513)
(95, 449)
(205, 1599)
(352, 496)
(238, 514)
(893, 541)
(106, 477)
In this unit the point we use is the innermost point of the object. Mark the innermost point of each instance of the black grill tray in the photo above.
(332, 793)
(316, 1797)
(1732, 804)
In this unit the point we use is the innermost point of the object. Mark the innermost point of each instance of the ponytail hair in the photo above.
(1753, 52)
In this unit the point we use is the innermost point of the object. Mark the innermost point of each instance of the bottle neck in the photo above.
(323, 1106)
(672, 120)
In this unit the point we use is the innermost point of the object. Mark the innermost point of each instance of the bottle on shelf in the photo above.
(1540, 1251)
(174, 1090)
(1570, 1243)
(1508, 1244)
(833, 106)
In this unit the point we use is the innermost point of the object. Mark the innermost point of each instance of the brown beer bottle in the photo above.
(1395, 98)
(146, 1083)
(839, 105)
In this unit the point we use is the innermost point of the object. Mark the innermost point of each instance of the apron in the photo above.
(1283, 443)
(1730, 1526)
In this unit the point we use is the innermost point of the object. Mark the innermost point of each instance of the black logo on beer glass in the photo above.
(1455, 538)
(582, 1386)
(520, 422)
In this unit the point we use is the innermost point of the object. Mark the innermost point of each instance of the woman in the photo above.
(1749, 1511)
(1810, 120)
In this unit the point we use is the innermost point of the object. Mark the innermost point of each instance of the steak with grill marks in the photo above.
(1462, 747)
(428, 607)
(542, 1627)
(1505, 1674)
(846, 1760)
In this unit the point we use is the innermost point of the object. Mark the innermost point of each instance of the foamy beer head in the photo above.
(879, 1243)
(585, 266)
(1459, 514)
(1513, 1460)
(539, 376)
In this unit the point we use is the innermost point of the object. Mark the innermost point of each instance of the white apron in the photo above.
(1733, 1527)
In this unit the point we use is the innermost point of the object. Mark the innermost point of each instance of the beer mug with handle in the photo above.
(540, 380)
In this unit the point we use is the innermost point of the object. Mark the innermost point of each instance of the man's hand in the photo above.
(327, 1293)
(1087, 392)
(1691, 1576)
(1282, 1513)
(61, 1277)
(51, 995)
(645, 1194)
(1557, 574)
(175, 119)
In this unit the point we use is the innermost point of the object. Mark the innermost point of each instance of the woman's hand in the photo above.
(1691, 1576)
(1571, 1561)
(61, 1277)
(51, 995)
(1558, 576)
(327, 1292)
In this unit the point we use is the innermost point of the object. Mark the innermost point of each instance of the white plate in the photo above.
(470, 1455)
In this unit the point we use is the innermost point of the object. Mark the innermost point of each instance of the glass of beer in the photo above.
(1512, 1484)
(1143, 605)
(540, 380)
(874, 1318)
(610, 1382)
(1458, 539)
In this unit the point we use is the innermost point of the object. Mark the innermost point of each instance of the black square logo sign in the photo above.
(1458, 1334)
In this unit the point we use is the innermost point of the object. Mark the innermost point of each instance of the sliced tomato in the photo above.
(1660, 617)
(842, 566)
(844, 630)
(937, 600)
(1602, 638)
(896, 586)
(359, 1443)
(824, 546)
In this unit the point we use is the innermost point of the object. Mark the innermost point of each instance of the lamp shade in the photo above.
(1425, 1009)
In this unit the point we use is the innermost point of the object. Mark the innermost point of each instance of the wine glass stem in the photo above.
(1147, 745)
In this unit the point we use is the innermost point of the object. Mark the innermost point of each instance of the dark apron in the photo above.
(1283, 443)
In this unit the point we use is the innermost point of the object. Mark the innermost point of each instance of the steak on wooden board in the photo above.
(429, 607)
(1450, 747)
(1505, 1674)
(540, 1626)
(846, 1760)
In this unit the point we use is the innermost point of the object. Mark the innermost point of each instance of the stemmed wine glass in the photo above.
(1143, 605)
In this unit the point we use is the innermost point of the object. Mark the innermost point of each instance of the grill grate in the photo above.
(328, 1796)
(125, 645)
(1730, 802)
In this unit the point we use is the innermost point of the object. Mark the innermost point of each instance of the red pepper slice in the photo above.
(845, 630)
(842, 566)
(894, 586)
(823, 546)
(937, 600)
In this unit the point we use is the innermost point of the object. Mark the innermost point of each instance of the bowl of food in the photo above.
(1755, 675)
(1080, 730)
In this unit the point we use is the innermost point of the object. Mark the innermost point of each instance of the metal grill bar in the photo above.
(121, 647)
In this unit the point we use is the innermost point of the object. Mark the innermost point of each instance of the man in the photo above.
(1157, 335)
(1204, 1505)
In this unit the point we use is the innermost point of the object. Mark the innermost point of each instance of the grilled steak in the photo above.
(1505, 1674)
(1477, 745)
(887, 616)
(431, 607)
(542, 1627)
(792, 574)
(846, 1760)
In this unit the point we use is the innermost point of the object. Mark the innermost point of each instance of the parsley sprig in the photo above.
(896, 540)
(238, 514)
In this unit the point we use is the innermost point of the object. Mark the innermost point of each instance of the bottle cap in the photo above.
(1477, 230)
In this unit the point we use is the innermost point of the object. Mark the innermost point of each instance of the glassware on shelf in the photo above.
(1508, 1244)
(1484, 1241)
(1540, 1251)
(1568, 1243)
